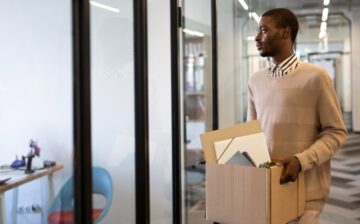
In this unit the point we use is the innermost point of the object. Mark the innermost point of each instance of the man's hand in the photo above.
(292, 168)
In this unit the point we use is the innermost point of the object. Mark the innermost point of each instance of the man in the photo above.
(298, 109)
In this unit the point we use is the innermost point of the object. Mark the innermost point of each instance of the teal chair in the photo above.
(61, 210)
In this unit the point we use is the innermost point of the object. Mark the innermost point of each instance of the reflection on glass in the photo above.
(112, 108)
(160, 114)
(198, 102)
(36, 116)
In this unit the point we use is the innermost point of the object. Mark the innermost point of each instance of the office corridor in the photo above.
(343, 204)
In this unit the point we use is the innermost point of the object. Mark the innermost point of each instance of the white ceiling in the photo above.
(313, 4)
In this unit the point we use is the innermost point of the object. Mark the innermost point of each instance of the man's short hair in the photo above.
(284, 18)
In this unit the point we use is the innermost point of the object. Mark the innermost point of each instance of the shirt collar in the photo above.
(286, 65)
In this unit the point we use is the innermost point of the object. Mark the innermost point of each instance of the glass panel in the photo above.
(197, 76)
(36, 98)
(248, 59)
(160, 140)
(112, 93)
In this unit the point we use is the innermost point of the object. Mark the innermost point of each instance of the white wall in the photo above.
(355, 26)
(36, 89)
(160, 111)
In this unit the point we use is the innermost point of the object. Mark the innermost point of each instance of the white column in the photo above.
(355, 28)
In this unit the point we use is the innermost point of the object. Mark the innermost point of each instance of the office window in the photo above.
(198, 116)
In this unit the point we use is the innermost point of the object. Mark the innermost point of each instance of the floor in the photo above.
(342, 206)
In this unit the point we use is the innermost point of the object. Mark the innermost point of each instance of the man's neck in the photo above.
(277, 59)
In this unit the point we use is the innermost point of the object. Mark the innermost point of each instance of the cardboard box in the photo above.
(237, 194)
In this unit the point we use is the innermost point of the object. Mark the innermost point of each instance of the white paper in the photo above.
(255, 145)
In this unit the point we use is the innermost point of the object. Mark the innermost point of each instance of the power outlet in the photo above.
(26, 209)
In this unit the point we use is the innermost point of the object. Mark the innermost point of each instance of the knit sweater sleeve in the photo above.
(332, 132)
(251, 111)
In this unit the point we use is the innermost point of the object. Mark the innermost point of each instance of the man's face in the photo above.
(269, 37)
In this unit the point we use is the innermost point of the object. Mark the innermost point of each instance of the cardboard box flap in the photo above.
(208, 139)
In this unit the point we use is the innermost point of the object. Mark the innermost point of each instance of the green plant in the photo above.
(267, 165)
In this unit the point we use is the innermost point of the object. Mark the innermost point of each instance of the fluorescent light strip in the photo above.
(250, 38)
(256, 17)
(322, 34)
(106, 7)
(323, 26)
(244, 5)
(193, 33)
(325, 14)
(326, 2)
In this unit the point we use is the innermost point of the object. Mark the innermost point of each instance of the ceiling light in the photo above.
(323, 26)
(250, 38)
(193, 33)
(322, 34)
(106, 7)
(243, 4)
(256, 17)
(326, 2)
(325, 14)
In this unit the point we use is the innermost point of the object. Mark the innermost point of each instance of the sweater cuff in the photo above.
(304, 161)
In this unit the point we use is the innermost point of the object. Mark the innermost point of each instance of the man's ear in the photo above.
(286, 33)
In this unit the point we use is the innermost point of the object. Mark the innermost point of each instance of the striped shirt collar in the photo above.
(285, 67)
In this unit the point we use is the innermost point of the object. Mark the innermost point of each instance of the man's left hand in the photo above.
(292, 168)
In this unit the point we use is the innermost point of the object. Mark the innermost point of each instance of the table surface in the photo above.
(18, 177)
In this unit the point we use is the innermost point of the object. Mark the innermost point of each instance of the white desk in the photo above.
(18, 178)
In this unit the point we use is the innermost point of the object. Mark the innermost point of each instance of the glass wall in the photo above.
(112, 106)
(197, 76)
(160, 126)
(36, 98)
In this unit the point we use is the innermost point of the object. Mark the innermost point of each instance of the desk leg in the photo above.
(14, 205)
(48, 197)
(2, 208)
(51, 188)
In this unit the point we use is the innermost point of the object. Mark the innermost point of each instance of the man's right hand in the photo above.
(292, 168)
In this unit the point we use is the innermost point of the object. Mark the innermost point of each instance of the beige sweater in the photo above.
(300, 115)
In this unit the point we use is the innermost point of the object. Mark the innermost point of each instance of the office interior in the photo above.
(216, 39)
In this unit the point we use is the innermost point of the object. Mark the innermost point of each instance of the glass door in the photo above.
(112, 108)
(197, 91)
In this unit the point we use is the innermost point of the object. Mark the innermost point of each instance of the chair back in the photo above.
(101, 184)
